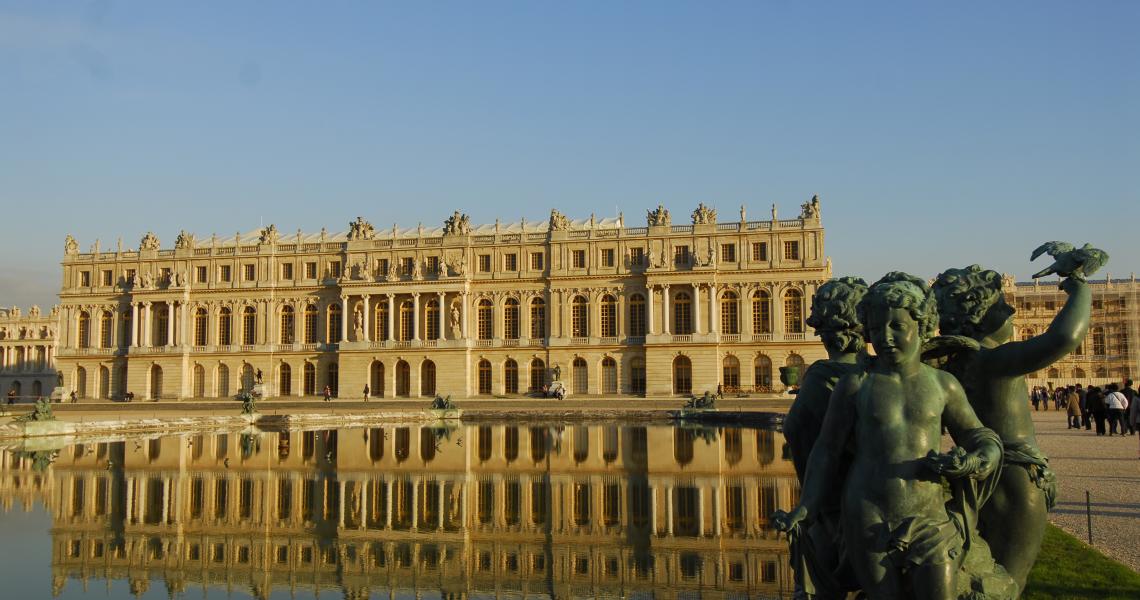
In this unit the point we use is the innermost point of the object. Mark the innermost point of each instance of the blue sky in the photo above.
(936, 134)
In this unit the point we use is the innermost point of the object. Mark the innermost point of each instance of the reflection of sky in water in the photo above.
(481, 510)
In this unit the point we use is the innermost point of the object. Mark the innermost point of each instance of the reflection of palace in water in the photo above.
(577, 511)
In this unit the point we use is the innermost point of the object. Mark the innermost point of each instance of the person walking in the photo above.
(328, 393)
(1130, 394)
(1074, 409)
(1035, 397)
(1134, 419)
(1084, 410)
(366, 392)
(1097, 409)
(1114, 401)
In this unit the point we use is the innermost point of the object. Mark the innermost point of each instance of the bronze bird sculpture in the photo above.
(1068, 261)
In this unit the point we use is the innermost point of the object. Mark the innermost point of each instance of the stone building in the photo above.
(27, 352)
(494, 310)
(584, 511)
(1108, 354)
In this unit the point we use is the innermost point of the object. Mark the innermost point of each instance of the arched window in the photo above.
(199, 381)
(310, 379)
(106, 330)
(38, 388)
(427, 378)
(608, 315)
(729, 319)
(84, 330)
(80, 382)
(155, 382)
(484, 315)
(223, 381)
(683, 446)
(332, 328)
(537, 318)
(1099, 348)
(334, 379)
(763, 373)
(403, 379)
(288, 323)
(761, 312)
(637, 325)
(201, 317)
(407, 321)
(682, 314)
(484, 376)
(104, 384)
(376, 378)
(1027, 333)
(225, 327)
(1053, 373)
(682, 376)
(161, 322)
(310, 324)
(126, 328)
(609, 376)
(1078, 373)
(1100, 372)
(249, 326)
(427, 454)
(431, 320)
(511, 319)
(793, 312)
(537, 375)
(511, 376)
(637, 375)
(581, 443)
(579, 317)
(284, 380)
(247, 378)
(730, 373)
(380, 322)
(581, 376)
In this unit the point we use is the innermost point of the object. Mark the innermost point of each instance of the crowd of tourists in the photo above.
(1112, 409)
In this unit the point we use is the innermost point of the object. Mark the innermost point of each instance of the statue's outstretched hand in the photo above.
(958, 463)
(788, 521)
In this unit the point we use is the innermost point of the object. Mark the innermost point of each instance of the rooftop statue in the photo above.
(558, 221)
(269, 235)
(704, 215)
(993, 373)
(149, 242)
(360, 230)
(659, 217)
(810, 210)
(70, 246)
(457, 224)
(821, 570)
(184, 240)
(906, 535)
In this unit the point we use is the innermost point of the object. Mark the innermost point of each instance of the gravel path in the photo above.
(1108, 468)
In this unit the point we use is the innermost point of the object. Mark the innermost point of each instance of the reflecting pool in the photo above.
(485, 510)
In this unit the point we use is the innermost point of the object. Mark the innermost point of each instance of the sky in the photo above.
(935, 134)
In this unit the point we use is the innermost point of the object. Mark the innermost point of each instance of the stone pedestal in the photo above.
(260, 390)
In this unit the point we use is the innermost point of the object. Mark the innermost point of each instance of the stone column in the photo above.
(651, 327)
(115, 327)
(697, 308)
(669, 510)
(442, 316)
(463, 315)
(170, 323)
(416, 316)
(182, 337)
(144, 330)
(665, 309)
(777, 314)
(344, 318)
(133, 334)
(714, 311)
(367, 320)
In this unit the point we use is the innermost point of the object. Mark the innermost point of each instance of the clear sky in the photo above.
(936, 134)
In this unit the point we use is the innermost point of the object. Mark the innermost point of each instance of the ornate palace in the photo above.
(27, 352)
(464, 310)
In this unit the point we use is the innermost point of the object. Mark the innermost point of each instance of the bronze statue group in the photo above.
(883, 510)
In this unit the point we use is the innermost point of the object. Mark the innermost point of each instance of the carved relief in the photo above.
(704, 215)
(457, 224)
(659, 217)
(360, 230)
(269, 235)
(558, 221)
(70, 246)
(149, 241)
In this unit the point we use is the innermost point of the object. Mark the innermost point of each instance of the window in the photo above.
(609, 316)
(511, 262)
(332, 329)
(791, 250)
(427, 378)
(129, 274)
(793, 312)
(637, 257)
(760, 251)
(730, 373)
(485, 379)
(310, 270)
(309, 380)
(108, 278)
(200, 274)
(380, 323)
(578, 259)
(537, 318)
(729, 323)
(537, 261)
(484, 320)
(85, 279)
(637, 375)
(287, 271)
(224, 274)
(433, 264)
(431, 320)
(537, 375)
(637, 316)
(682, 376)
(1098, 341)
(511, 377)
(682, 314)
(407, 322)
(728, 252)
(200, 320)
(249, 272)
(609, 376)
(225, 327)
(607, 257)
(249, 326)
(511, 319)
(106, 330)
(334, 268)
(484, 263)
(407, 266)
(761, 313)
(310, 324)
(287, 325)
(579, 315)
(681, 255)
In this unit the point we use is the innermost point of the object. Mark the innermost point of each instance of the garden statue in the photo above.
(817, 554)
(905, 535)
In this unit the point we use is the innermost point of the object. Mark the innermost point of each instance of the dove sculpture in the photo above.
(1078, 263)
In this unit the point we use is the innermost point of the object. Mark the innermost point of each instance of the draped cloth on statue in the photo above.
(1030, 458)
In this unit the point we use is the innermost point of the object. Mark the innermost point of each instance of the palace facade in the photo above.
(493, 310)
(582, 511)
(27, 352)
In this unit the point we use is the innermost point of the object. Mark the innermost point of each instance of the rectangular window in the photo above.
(311, 270)
(637, 257)
(407, 265)
(287, 271)
(108, 278)
(224, 273)
(129, 274)
(681, 255)
(791, 250)
(433, 264)
(607, 257)
(85, 279)
(164, 274)
(200, 274)
(578, 259)
(382, 264)
(510, 262)
(728, 252)
(484, 263)
(760, 251)
(537, 261)
(334, 268)
(249, 272)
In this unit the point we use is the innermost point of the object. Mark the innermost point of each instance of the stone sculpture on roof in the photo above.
(457, 224)
(70, 246)
(558, 221)
(149, 242)
(659, 217)
(184, 240)
(360, 230)
(704, 215)
(810, 210)
(269, 235)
